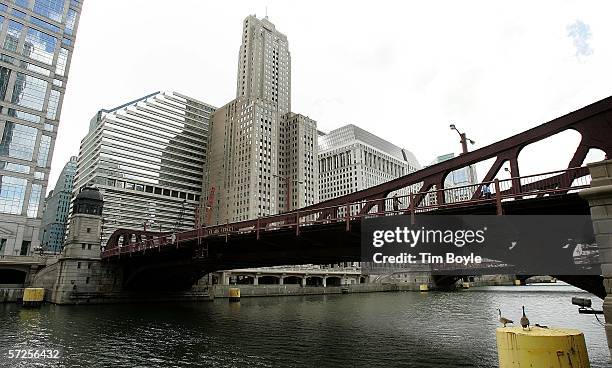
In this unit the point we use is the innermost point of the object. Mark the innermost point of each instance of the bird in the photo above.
(504, 320)
(525, 320)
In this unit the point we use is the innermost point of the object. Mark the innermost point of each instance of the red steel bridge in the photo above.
(329, 231)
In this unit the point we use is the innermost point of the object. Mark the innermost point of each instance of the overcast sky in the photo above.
(402, 70)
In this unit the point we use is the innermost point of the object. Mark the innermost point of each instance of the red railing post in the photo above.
(348, 217)
(411, 208)
(498, 203)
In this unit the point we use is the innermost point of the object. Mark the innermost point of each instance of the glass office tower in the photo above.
(36, 42)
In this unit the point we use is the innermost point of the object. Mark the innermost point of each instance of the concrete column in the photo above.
(324, 281)
(280, 280)
(225, 278)
(304, 281)
(600, 201)
(255, 280)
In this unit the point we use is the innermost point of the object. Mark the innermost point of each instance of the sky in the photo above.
(404, 70)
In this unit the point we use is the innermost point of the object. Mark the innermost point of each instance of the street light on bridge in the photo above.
(288, 185)
(464, 148)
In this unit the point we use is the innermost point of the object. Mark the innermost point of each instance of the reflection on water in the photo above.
(355, 330)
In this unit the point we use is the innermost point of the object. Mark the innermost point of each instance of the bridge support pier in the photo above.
(600, 201)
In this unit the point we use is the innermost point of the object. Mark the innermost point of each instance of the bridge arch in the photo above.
(13, 275)
(268, 280)
(314, 280)
(292, 280)
(333, 281)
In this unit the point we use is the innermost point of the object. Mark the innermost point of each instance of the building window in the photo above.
(25, 246)
(2, 244)
(78, 264)
(12, 36)
(18, 141)
(43, 151)
(12, 194)
(34, 200)
(29, 91)
(39, 46)
(52, 9)
(88, 229)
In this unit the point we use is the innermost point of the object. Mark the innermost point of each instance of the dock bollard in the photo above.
(234, 295)
(33, 297)
(541, 347)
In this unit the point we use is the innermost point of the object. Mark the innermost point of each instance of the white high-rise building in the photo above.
(147, 158)
(352, 159)
(262, 155)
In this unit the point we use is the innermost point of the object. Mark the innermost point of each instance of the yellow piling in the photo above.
(234, 295)
(465, 285)
(517, 282)
(33, 297)
(423, 287)
(541, 347)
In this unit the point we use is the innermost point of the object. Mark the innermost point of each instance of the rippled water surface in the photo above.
(357, 330)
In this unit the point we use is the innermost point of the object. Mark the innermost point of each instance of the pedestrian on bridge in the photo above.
(486, 191)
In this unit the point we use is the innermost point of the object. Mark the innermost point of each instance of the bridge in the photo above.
(329, 231)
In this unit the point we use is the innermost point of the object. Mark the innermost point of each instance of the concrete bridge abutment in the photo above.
(600, 202)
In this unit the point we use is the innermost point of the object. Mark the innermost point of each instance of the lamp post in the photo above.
(464, 149)
(288, 185)
(464, 139)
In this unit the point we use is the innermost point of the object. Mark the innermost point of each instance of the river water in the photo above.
(407, 329)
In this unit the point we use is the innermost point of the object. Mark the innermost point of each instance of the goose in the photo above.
(525, 321)
(504, 320)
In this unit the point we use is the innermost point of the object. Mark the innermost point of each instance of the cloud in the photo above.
(580, 33)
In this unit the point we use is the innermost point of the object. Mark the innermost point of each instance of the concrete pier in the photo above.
(600, 201)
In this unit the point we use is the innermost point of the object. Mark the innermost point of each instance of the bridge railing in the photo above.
(499, 191)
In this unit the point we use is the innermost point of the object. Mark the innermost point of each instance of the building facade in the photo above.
(264, 64)
(57, 206)
(262, 156)
(351, 159)
(298, 152)
(147, 157)
(37, 39)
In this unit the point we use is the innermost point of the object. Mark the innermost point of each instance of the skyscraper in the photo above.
(262, 155)
(352, 159)
(264, 64)
(57, 206)
(37, 39)
(147, 157)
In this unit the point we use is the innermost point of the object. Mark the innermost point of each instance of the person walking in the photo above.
(486, 191)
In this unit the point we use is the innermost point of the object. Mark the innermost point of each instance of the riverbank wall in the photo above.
(222, 291)
(11, 295)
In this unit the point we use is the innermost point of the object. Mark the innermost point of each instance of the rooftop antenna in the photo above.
(266, 11)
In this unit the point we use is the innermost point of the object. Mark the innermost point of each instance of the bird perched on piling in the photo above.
(525, 320)
(503, 320)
